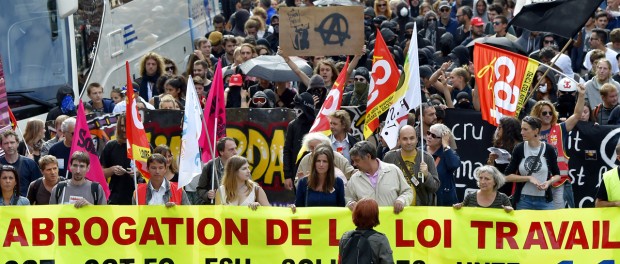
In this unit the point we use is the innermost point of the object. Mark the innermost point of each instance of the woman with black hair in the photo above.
(534, 167)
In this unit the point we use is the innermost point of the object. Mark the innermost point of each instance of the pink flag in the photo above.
(83, 142)
(214, 115)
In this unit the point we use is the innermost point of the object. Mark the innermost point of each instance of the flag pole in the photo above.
(213, 157)
(135, 180)
(533, 88)
(421, 139)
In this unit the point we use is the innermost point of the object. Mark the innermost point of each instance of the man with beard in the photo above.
(602, 112)
(230, 43)
(27, 169)
(151, 67)
(117, 167)
(420, 172)
(78, 190)
(300, 126)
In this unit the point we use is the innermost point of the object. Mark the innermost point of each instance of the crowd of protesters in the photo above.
(341, 170)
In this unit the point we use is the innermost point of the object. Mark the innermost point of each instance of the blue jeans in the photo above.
(568, 194)
(529, 202)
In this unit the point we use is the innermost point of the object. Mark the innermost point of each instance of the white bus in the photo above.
(46, 44)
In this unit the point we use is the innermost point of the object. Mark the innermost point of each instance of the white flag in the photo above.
(408, 95)
(189, 161)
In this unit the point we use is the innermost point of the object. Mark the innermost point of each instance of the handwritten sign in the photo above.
(322, 31)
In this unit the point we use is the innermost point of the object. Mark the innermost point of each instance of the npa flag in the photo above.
(561, 17)
(332, 103)
(189, 165)
(82, 141)
(214, 115)
(383, 82)
(408, 95)
(503, 79)
(138, 148)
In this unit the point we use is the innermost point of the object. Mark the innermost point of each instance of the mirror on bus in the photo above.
(66, 7)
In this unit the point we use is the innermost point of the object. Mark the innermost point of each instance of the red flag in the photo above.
(214, 115)
(13, 120)
(385, 76)
(332, 103)
(82, 141)
(503, 79)
(138, 148)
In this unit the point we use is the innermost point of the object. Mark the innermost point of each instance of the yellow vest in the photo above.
(612, 185)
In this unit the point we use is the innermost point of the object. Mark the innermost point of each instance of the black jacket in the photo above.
(295, 132)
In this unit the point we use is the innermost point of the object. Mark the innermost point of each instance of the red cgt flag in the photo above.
(503, 79)
(138, 148)
(385, 76)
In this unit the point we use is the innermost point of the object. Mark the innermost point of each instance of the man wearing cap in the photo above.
(234, 94)
(477, 30)
(300, 126)
(464, 17)
(567, 90)
(445, 20)
(122, 106)
(217, 49)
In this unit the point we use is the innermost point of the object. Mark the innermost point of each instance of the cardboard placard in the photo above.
(322, 31)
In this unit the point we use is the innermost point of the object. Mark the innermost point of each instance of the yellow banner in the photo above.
(217, 234)
(140, 153)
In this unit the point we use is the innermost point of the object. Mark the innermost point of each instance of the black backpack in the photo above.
(357, 250)
(94, 190)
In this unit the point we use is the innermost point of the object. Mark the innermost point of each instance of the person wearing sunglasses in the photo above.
(381, 9)
(9, 183)
(500, 27)
(445, 20)
(446, 160)
(556, 134)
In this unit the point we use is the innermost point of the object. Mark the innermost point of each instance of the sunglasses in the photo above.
(380, 5)
(497, 23)
(431, 19)
(428, 133)
(547, 113)
(444, 9)
(548, 41)
(170, 68)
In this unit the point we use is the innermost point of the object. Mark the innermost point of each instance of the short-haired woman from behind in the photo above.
(365, 217)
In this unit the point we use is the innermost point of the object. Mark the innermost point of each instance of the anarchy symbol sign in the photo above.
(334, 29)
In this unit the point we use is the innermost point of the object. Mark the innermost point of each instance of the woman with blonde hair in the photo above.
(34, 136)
(237, 186)
(382, 9)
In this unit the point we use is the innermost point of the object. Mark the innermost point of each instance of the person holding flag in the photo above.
(82, 141)
(159, 190)
(117, 166)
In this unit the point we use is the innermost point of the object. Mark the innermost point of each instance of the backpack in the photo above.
(94, 190)
(357, 250)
